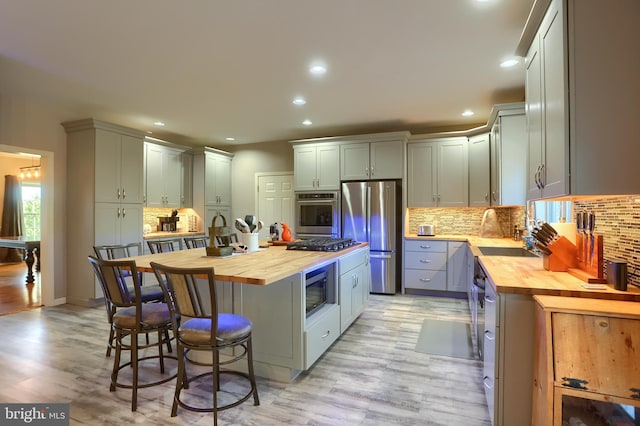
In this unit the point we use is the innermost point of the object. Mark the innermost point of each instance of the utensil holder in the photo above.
(250, 240)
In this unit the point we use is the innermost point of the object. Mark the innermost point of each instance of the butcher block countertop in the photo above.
(262, 267)
(526, 275)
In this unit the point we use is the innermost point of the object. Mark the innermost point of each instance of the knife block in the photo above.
(590, 266)
(562, 257)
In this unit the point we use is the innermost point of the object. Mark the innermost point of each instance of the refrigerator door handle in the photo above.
(368, 213)
(380, 256)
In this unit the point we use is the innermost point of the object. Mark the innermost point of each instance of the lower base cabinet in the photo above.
(354, 284)
(435, 265)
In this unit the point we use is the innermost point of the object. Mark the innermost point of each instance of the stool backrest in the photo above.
(189, 292)
(163, 246)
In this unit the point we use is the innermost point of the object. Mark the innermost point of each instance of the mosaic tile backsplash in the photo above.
(464, 221)
(618, 220)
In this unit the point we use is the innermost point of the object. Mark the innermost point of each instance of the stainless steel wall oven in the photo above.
(317, 214)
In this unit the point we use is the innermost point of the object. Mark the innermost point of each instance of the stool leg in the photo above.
(181, 379)
(160, 354)
(116, 361)
(110, 344)
(216, 385)
(252, 377)
(134, 363)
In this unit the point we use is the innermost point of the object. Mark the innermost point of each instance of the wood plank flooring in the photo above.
(15, 294)
(370, 376)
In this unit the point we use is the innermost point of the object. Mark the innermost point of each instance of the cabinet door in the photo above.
(354, 161)
(421, 175)
(386, 160)
(533, 110)
(130, 223)
(223, 180)
(131, 169)
(153, 176)
(210, 194)
(328, 167)
(479, 171)
(304, 166)
(457, 279)
(107, 167)
(172, 177)
(187, 180)
(453, 174)
(555, 87)
(513, 160)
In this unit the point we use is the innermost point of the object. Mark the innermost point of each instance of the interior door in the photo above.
(275, 201)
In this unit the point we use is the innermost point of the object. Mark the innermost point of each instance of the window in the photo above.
(31, 210)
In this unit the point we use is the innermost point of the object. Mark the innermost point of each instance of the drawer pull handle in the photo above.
(487, 382)
(326, 334)
(425, 261)
(425, 280)
(489, 336)
(425, 247)
(636, 393)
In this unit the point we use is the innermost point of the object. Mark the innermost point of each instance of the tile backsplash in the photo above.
(150, 217)
(463, 221)
(618, 220)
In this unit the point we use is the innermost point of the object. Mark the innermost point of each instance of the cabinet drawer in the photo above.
(430, 261)
(601, 350)
(425, 279)
(321, 334)
(425, 245)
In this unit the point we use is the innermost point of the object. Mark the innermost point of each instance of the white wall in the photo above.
(249, 160)
(32, 127)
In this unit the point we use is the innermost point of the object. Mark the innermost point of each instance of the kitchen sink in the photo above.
(506, 251)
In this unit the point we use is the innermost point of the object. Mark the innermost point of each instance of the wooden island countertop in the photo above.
(263, 267)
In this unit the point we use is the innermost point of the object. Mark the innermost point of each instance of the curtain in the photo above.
(11, 218)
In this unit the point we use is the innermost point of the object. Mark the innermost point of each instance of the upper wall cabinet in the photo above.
(438, 173)
(582, 89)
(211, 177)
(322, 163)
(163, 176)
(316, 167)
(372, 160)
(508, 156)
(479, 171)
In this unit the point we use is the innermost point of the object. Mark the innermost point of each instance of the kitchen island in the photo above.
(268, 287)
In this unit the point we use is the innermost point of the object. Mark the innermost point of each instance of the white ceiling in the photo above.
(212, 69)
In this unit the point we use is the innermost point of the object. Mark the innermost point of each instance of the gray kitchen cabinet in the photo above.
(163, 176)
(425, 265)
(104, 197)
(508, 346)
(457, 266)
(354, 283)
(581, 88)
(211, 185)
(508, 156)
(479, 171)
(438, 173)
(374, 160)
(316, 167)
(187, 180)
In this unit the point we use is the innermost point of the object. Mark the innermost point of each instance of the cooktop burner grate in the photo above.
(322, 244)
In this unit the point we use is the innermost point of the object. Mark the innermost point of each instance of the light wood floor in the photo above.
(370, 376)
(15, 294)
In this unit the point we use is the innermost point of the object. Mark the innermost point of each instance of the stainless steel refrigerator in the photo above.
(371, 212)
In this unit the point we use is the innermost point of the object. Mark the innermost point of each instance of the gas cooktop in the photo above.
(322, 244)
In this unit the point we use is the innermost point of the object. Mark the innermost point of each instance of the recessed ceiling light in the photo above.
(159, 123)
(230, 139)
(307, 122)
(318, 69)
(299, 101)
(510, 63)
(468, 113)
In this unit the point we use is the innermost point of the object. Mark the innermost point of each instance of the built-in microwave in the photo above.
(316, 290)
(317, 214)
